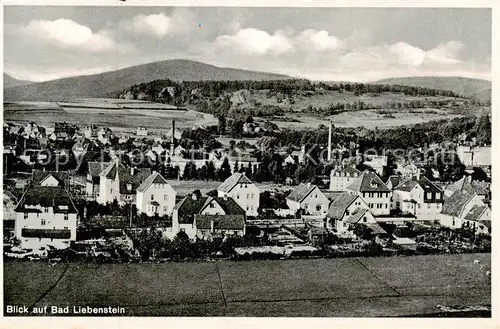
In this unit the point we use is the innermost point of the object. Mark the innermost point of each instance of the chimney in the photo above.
(308, 184)
(329, 141)
(132, 171)
(194, 196)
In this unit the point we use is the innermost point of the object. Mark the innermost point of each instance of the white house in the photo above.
(46, 215)
(377, 162)
(408, 170)
(93, 178)
(184, 214)
(479, 219)
(310, 198)
(243, 191)
(342, 208)
(142, 131)
(421, 198)
(457, 206)
(118, 182)
(343, 176)
(155, 196)
(375, 193)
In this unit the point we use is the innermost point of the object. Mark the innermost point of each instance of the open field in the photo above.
(366, 118)
(119, 119)
(324, 98)
(350, 287)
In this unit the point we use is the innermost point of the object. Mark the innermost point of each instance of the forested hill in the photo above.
(108, 83)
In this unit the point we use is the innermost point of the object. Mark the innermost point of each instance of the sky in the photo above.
(338, 44)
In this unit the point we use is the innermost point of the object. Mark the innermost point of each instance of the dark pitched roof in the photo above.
(39, 175)
(231, 181)
(221, 222)
(394, 180)
(46, 196)
(300, 192)
(95, 168)
(350, 170)
(356, 215)
(369, 182)
(340, 204)
(188, 207)
(376, 229)
(229, 206)
(475, 213)
(154, 178)
(466, 183)
(429, 186)
(453, 205)
(126, 177)
(407, 185)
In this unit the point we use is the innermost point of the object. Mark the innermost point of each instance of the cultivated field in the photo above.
(354, 287)
(119, 119)
(366, 118)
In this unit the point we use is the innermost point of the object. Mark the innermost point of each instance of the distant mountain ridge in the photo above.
(464, 86)
(109, 83)
(9, 81)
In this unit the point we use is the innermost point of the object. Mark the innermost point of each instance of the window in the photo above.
(318, 207)
(248, 207)
(42, 222)
(429, 195)
(364, 219)
(152, 197)
(438, 195)
(165, 208)
(45, 209)
(252, 195)
(364, 194)
(165, 197)
(65, 216)
(418, 205)
(307, 206)
(25, 215)
(237, 196)
(212, 205)
(386, 206)
(65, 227)
(345, 224)
(316, 196)
(248, 196)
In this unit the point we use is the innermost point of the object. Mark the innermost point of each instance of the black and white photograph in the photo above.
(226, 161)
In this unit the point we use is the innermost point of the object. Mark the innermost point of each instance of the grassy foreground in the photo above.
(351, 287)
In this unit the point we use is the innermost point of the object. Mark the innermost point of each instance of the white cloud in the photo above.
(65, 33)
(254, 41)
(446, 53)
(319, 40)
(407, 54)
(155, 24)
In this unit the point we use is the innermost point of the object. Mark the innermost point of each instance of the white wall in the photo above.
(247, 196)
(164, 194)
(383, 199)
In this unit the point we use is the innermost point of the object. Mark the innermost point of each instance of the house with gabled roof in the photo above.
(421, 198)
(479, 219)
(343, 176)
(50, 178)
(341, 208)
(239, 187)
(309, 198)
(466, 183)
(185, 212)
(120, 183)
(93, 178)
(374, 192)
(209, 226)
(155, 196)
(46, 215)
(457, 207)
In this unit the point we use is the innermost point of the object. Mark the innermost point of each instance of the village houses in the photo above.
(343, 176)
(418, 197)
(309, 198)
(373, 191)
(45, 214)
(155, 196)
(243, 191)
(218, 216)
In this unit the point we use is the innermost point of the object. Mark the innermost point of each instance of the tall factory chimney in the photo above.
(329, 141)
(172, 139)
